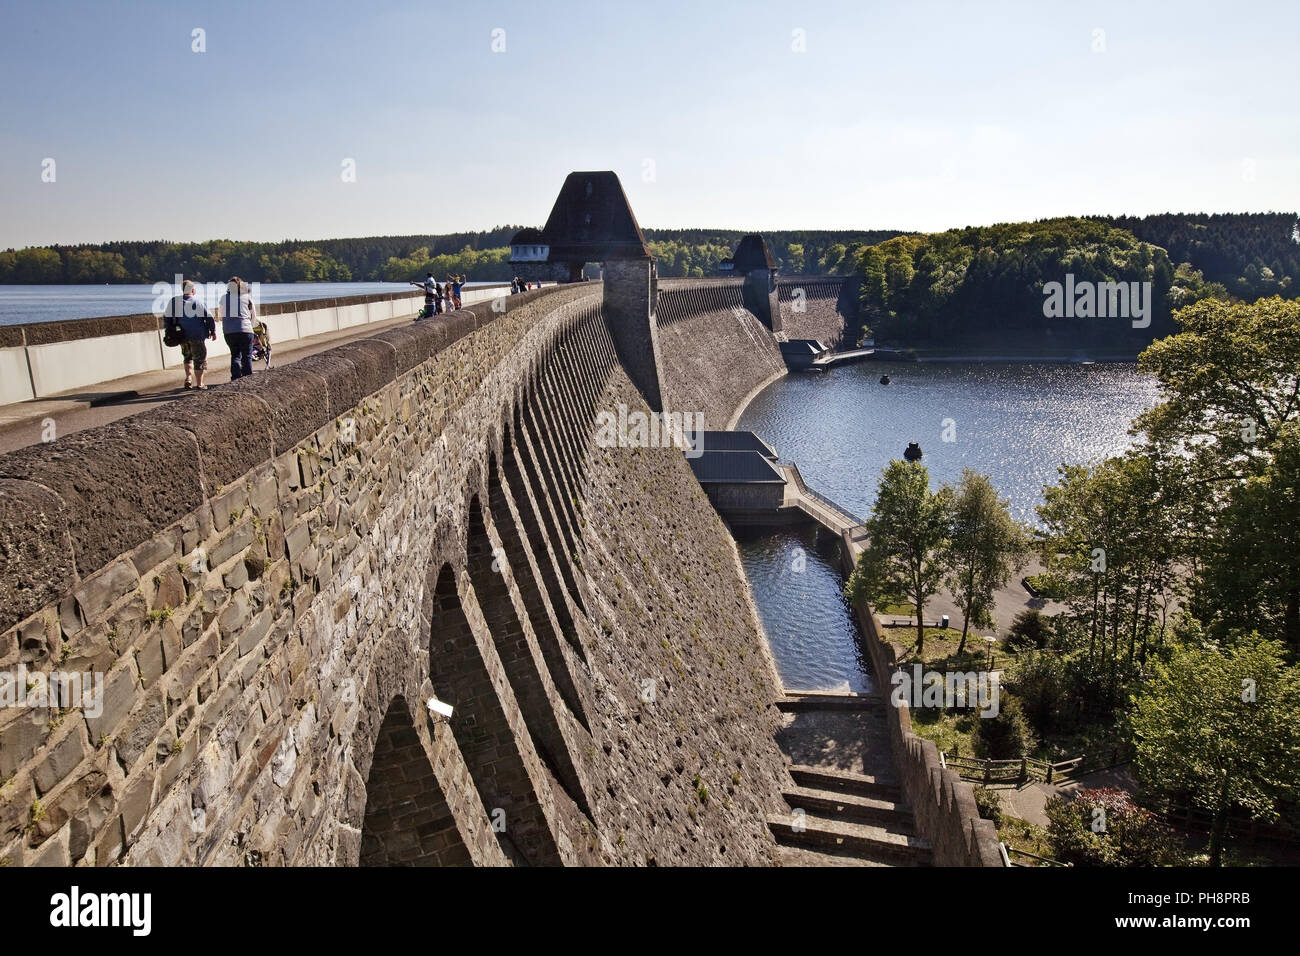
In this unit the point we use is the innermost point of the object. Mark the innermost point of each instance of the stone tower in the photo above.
(754, 261)
(591, 221)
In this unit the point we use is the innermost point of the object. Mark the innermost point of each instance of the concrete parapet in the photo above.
(41, 359)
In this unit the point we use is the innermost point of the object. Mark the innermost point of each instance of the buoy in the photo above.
(913, 452)
(884, 380)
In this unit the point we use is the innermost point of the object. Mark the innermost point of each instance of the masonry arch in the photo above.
(407, 820)
(461, 677)
(491, 568)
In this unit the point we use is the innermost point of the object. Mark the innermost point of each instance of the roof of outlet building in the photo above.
(753, 253)
(591, 221)
(735, 468)
(731, 441)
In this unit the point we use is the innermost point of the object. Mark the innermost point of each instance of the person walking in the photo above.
(198, 328)
(237, 314)
(431, 294)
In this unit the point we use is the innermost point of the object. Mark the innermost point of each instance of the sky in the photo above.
(281, 120)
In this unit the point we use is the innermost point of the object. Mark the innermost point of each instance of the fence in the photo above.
(1028, 770)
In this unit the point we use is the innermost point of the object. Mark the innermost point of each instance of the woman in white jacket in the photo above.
(237, 316)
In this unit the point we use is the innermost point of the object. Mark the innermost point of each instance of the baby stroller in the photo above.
(261, 344)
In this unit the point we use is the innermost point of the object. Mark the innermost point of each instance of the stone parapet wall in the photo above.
(44, 358)
(942, 803)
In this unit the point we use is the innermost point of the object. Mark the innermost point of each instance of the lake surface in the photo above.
(1016, 422)
(20, 304)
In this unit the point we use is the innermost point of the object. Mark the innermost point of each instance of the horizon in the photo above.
(703, 229)
(835, 116)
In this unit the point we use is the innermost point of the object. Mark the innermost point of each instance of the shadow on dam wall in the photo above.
(271, 580)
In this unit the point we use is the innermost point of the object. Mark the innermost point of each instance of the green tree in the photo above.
(1228, 419)
(1224, 728)
(907, 536)
(986, 546)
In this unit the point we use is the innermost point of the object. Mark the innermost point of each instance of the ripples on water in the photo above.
(812, 635)
(1016, 422)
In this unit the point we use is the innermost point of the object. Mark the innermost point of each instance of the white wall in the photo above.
(15, 381)
(62, 366)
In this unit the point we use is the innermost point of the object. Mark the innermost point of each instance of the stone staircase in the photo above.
(842, 817)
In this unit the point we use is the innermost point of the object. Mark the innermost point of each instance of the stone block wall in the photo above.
(942, 803)
(821, 307)
(714, 352)
(273, 579)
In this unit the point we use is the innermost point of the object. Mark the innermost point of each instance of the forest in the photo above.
(481, 256)
(986, 284)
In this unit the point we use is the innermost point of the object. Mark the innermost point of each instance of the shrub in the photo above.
(1038, 681)
(1027, 631)
(990, 807)
(1007, 736)
(1104, 827)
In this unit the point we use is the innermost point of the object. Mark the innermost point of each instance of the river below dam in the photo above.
(1014, 421)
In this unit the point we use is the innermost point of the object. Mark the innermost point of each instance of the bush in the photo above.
(1007, 736)
(1027, 631)
(1105, 828)
(990, 807)
(1038, 681)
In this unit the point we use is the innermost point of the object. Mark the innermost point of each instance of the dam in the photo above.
(394, 604)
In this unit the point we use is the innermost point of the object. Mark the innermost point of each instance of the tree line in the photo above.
(480, 256)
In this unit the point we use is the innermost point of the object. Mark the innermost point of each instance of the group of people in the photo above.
(199, 326)
(439, 296)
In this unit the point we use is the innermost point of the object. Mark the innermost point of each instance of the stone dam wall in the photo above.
(821, 307)
(713, 351)
(274, 577)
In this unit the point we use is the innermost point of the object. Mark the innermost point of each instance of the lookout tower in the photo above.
(754, 261)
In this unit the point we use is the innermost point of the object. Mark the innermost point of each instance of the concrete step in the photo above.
(821, 856)
(859, 839)
(826, 804)
(841, 781)
(803, 701)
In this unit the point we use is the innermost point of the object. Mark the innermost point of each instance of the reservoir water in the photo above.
(1015, 422)
(20, 304)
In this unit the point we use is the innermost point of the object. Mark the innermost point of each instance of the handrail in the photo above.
(817, 495)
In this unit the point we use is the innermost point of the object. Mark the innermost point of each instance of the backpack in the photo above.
(173, 333)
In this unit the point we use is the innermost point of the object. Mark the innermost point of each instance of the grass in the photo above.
(952, 731)
(941, 648)
(1023, 835)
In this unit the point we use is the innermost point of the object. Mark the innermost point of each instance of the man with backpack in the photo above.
(189, 320)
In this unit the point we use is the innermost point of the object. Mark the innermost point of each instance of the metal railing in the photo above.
(817, 495)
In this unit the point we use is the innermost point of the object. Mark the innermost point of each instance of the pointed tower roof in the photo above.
(592, 221)
(753, 253)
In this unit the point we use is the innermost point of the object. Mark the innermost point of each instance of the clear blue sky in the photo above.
(898, 115)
